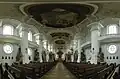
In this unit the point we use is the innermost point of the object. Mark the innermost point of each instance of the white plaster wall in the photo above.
(104, 46)
(13, 54)
(103, 31)
(107, 54)
(88, 37)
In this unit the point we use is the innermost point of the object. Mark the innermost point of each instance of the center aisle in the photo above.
(59, 72)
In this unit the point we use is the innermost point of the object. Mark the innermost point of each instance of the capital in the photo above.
(24, 27)
(95, 26)
(40, 36)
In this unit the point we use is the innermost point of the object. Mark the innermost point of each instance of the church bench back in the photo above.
(89, 71)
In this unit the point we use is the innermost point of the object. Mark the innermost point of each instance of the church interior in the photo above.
(59, 39)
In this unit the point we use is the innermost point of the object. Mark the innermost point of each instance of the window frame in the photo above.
(30, 38)
(108, 49)
(37, 39)
(12, 29)
(108, 29)
(5, 50)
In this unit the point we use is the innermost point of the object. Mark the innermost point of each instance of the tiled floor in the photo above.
(59, 72)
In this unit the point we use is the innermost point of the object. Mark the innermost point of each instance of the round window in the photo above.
(112, 49)
(8, 48)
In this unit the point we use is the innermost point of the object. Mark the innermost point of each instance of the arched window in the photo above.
(51, 48)
(20, 34)
(48, 47)
(112, 29)
(37, 39)
(30, 36)
(29, 51)
(7, 30)
(45, 44)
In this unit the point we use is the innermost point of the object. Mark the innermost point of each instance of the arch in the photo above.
(53, 41)
(15, 23)
(60, 30)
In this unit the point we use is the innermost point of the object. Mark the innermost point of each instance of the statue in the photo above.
(69, 57)
(76, 56)
(19, 57)
(53, 56)
(50, 57)
(83, 56)
(66, 57)
(36, 55)
(44, 56)
(100, 56)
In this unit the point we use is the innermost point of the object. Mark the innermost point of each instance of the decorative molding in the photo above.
(94, 26)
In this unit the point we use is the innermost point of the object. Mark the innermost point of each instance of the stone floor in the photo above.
(59, 72)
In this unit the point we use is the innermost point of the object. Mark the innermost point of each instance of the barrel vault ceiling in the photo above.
(60, 22)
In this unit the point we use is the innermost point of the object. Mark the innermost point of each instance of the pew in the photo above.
(31, 70)
(89, 71)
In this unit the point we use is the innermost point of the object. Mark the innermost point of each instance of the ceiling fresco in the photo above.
(60, 34)
(59, 15)
(60, 42)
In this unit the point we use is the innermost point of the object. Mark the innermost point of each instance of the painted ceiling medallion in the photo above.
(60, 34)
(58, 10)
(59, 15)
(60, 42)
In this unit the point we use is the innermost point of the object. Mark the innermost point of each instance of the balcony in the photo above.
(32, 44)
(10, 38)
(109, 38)
(86, 42)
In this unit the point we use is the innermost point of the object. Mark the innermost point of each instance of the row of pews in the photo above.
(89, 71)
(4, 73)
(31, 70)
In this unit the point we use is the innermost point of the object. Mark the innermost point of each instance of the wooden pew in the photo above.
(88, 71)
(35, 70)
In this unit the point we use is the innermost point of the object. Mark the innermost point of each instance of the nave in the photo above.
(59, 40)
(59, 72)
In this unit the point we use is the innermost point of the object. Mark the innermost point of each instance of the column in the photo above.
(40, 49)
(1, 28)
(47, 51)
(33, 38)
(94, 41)
(24, 44)
(79, 51)
(72, 52)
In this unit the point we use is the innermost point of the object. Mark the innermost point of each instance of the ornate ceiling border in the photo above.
(27, 4)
